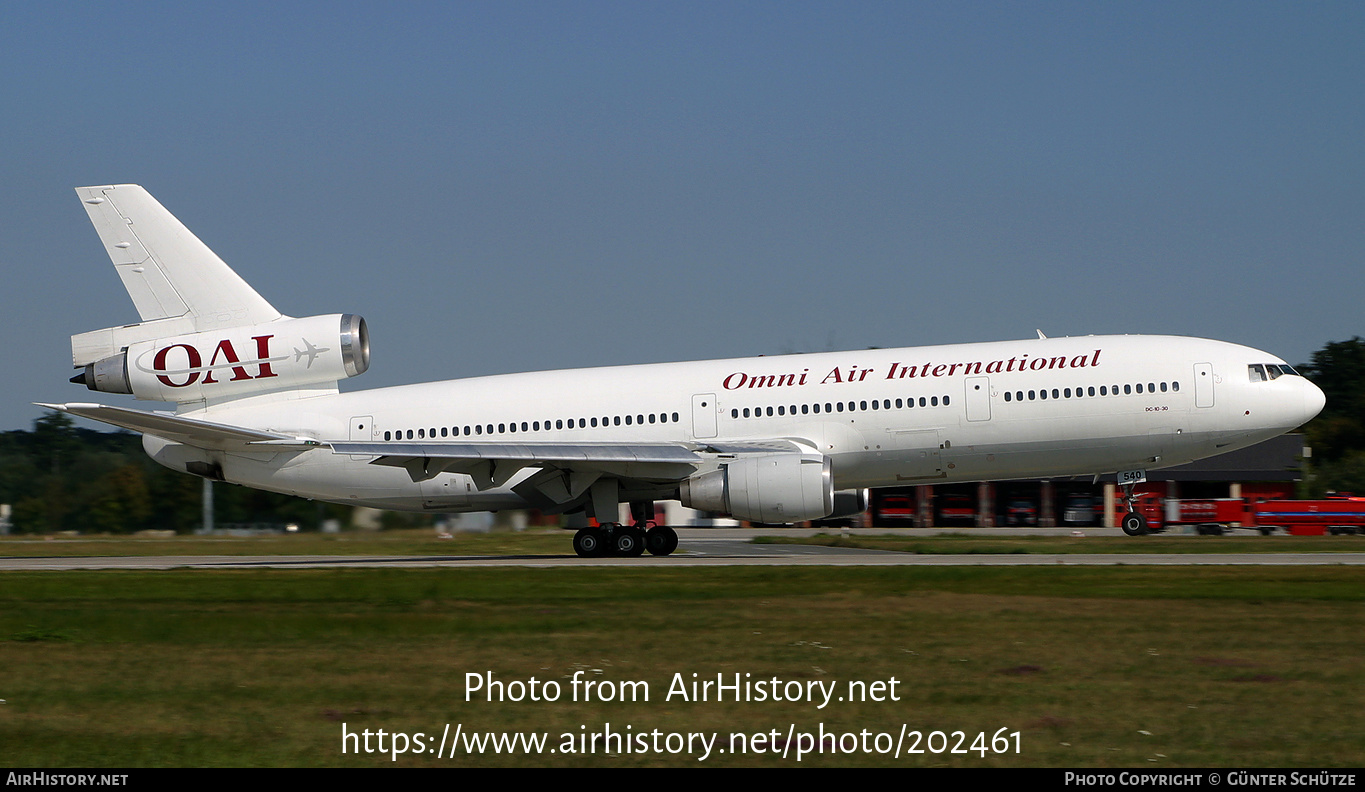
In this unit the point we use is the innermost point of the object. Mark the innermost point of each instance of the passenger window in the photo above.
(923, 402)
(1091, 391)
(1104, 390)
(1163, 387)
(945, 401)
(805, 409)
(1139, 387)
(770, 412)
(1127, 390)
(386, 435)
(862, 405)
(934, 401)
(1054, 393)
(478, 429)
(898, 404)
(1175, 386)
(1007, 395)
(1067, 393)
(840, 405)
(651, 417)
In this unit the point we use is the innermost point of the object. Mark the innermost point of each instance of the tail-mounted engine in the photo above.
(236, 362)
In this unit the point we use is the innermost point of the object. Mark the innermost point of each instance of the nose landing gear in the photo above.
(1133, 523)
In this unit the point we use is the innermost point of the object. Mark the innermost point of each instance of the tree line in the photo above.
(61, 477)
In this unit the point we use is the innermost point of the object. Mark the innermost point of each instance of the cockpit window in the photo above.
(1261, 372)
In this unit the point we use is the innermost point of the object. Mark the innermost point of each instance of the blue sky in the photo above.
(511, 186)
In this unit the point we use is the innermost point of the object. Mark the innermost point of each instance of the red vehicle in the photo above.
(956, 510)
(896, 509)
(1338, 515)
(1345, 515)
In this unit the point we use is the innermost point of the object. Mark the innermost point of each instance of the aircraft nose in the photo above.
(1313, 401)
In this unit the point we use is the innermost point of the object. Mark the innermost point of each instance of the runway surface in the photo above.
(696, 548)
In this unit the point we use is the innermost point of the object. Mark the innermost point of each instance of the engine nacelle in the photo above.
(237, 361)
(771, 488)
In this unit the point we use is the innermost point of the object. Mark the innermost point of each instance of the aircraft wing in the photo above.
(565, 470)
(493, 464)
(190, 431)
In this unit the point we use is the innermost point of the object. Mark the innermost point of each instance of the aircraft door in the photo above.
(362, 431)
(978, 398)
(704, 415)
(1203, 384)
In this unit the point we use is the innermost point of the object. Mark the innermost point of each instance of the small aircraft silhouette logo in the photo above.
(311, 351)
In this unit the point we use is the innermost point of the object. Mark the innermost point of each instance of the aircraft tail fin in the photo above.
(177, 284)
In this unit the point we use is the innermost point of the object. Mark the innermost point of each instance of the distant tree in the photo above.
(1337, 435)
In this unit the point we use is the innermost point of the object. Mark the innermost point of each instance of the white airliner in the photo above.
(774, 439)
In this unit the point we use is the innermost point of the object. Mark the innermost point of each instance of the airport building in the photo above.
(1264, 471)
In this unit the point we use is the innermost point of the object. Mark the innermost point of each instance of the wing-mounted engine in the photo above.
(781, 487)
(235, 362)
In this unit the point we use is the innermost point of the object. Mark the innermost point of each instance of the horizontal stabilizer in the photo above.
(190, 431)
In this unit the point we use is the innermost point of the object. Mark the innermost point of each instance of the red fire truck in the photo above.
(1336, 515)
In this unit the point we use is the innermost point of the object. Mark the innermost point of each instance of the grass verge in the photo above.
(1094, 667)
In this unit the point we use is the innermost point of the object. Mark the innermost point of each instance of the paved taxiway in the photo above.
(711, 547)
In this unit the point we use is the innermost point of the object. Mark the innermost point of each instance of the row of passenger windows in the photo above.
(1104, 390)
(531, 426)
(830, 407)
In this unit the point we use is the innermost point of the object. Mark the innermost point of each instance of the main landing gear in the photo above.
(1133, 523)
(627, 541)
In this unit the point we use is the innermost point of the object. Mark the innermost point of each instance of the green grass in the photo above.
(405, 542)
(1219, 666)
(954, 544)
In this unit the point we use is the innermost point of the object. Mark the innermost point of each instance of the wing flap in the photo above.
(393, 453)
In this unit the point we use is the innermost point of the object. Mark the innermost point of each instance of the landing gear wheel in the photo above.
(661, 540)
(1134, 524)
(590, 543)
(628, 542)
